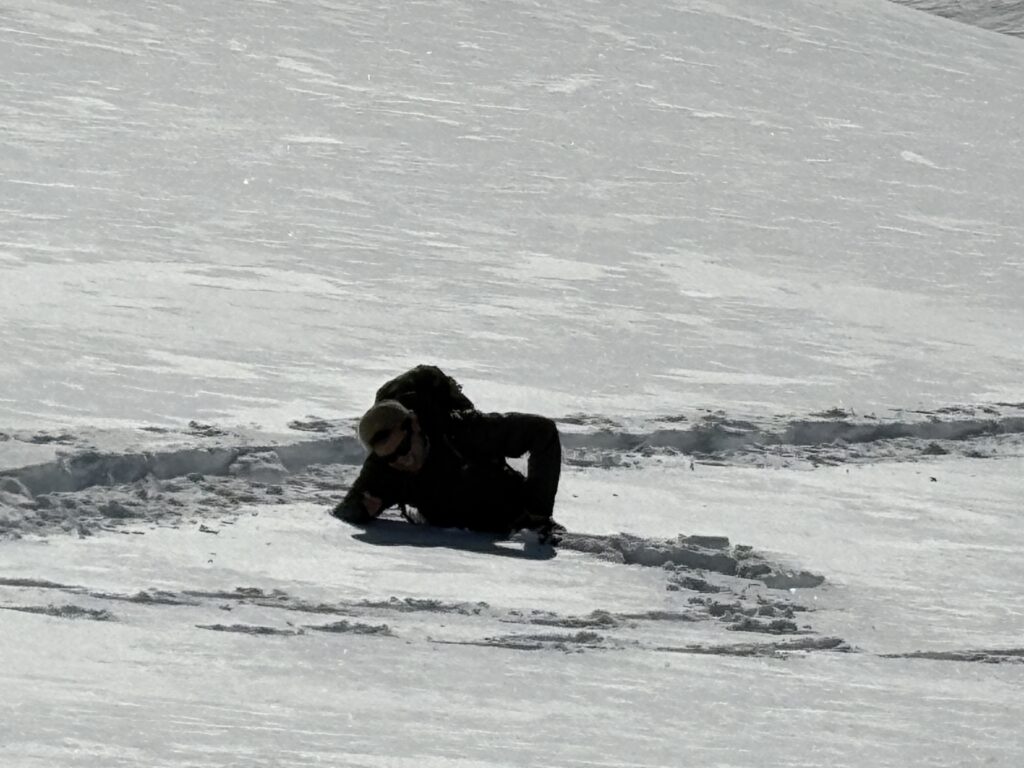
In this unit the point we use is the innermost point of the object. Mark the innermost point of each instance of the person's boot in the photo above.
(548, 531)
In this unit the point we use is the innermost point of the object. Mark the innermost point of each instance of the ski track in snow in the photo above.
(218, 469)
(463, 623)
(205, 474)
(480, 624)
(219, 480)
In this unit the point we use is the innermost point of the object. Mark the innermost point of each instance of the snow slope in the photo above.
(762, 261)
(249, 216)
(1005, 16)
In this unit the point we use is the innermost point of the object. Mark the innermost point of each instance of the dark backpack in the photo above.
(430, 393)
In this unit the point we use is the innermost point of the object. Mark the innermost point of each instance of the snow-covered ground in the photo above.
(1005, 16)
(762, 261)
(249, 215)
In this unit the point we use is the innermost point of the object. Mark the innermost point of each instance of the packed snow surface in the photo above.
(761, 261)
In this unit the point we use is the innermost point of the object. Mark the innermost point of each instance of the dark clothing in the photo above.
(465, 481)
(428, 392)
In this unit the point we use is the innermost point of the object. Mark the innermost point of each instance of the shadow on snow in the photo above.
(392, 533)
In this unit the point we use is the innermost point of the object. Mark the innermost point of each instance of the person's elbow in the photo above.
(547, 436)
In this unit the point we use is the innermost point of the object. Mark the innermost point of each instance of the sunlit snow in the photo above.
(761, 261)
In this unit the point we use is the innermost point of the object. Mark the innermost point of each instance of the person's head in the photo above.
(393, 433)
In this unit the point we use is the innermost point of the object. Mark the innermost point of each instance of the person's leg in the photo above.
(513, 510)
(495, 498)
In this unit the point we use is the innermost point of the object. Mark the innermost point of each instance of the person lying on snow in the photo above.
(429, 448)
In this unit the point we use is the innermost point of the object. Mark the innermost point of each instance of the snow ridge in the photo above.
(217, 475)
(701, 553)
(79, 471)
(829, 437)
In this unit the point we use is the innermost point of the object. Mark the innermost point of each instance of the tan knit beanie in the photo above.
(380, 420)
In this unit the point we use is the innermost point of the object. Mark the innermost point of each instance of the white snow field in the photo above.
(1006, 16)
(761, 261)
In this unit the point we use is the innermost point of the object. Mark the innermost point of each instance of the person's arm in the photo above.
(370, 494)
(511, 435)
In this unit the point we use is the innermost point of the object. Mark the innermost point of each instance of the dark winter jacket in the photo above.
(465, 481)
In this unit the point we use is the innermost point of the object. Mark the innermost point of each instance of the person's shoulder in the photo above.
(464, 423)
(468, 425)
